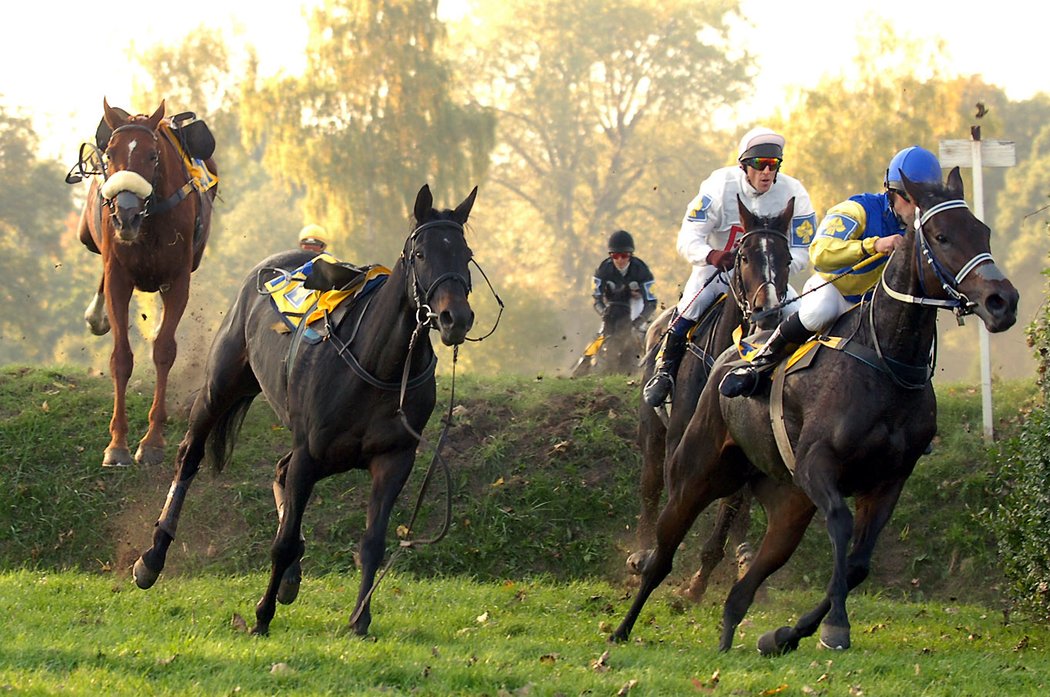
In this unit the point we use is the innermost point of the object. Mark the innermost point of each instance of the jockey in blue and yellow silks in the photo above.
(866, 226)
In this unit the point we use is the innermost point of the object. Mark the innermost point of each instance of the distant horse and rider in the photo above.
(148, 214)
(758, 288)
(803, 443)
(357, 395)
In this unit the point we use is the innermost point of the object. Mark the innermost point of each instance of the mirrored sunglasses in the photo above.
(620, 256)
(760, 163)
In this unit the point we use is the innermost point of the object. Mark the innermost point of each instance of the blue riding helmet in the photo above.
(917, 164)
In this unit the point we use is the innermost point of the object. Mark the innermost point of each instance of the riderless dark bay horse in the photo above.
(357, 400)
(149, 219)
(758, 286)
(828, 444)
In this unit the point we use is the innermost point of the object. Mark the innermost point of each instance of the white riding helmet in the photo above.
(761, 142)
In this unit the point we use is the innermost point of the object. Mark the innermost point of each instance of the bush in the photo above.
(1021, 521)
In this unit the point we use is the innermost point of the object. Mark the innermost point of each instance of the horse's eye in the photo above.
(418, 255)
(941, 239)
(153, 157)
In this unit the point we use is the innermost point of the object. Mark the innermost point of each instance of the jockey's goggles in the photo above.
(760, 163)
(620, 256)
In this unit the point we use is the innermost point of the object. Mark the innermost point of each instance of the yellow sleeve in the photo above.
(837, 245)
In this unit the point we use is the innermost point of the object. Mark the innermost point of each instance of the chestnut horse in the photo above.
(842, 446)
(357, 400)
(758, 286)
(149, 219)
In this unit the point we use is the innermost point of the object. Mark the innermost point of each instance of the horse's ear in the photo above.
(154, 120)
(955, 182)
(462, 211)
(424, 203)
(911, 188)
(114, 117)
(747, 218)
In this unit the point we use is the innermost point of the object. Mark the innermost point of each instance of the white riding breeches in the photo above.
(691, 305)
(821, 307)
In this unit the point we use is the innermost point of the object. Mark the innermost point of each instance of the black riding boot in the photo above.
(746, 379)
(661, 384)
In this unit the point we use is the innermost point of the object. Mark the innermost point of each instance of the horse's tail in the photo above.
(223, 435)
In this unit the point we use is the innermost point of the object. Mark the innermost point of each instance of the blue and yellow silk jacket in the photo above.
(847, 236)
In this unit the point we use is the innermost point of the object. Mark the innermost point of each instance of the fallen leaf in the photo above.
(775, 690)
(549, 659)
(626, 688)
(498, 482)
(238, 623)
(602, 664)
(482, 618)
(44, 407)
(281, 669)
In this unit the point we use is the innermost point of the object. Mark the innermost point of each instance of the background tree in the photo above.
(374, 117)
(34, 213)
(584, 94)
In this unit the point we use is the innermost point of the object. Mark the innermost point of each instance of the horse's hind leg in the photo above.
(713, 551)
(389, 473)
(225, 396)
(288, 591)
(151, 447)
(287, 547)
(788, 511)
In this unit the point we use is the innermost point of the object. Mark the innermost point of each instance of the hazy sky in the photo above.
(60, 57)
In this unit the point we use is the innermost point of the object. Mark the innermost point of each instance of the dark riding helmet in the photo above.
(761, 142)
(621, 242)
(917, 164)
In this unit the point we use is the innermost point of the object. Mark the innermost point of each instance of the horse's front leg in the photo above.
(151, 447)
(121, 362)
(287, 548)
(873, 512)
(389, 473)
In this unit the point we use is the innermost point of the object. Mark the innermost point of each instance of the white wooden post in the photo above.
(978, 154)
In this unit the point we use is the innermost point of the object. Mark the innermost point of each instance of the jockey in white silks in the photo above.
(711, 230)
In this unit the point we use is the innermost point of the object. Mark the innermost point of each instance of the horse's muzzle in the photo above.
(998, 308)
(128, 213)
(453, 324)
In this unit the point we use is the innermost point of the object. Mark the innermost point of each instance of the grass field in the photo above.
(82, 634)
(517, 600)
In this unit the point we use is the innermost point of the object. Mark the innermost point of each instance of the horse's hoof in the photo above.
(117, 457)
(260, 630)
(145, 577)
(744, 557)
(834, 638)
(777, 642)
(96, 317)
(149, 455)
(288, 591)
(639, 561)
(695, 590)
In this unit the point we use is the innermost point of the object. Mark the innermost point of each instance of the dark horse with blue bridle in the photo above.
(831, 445)
(357, 400)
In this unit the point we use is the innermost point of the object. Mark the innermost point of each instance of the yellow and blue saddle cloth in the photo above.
(297, 304)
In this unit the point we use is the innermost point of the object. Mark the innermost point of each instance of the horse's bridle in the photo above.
(148, 206)
(425, 316)
(744, 303)
(956, 301)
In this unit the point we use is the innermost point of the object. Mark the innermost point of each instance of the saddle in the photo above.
(322, 288)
